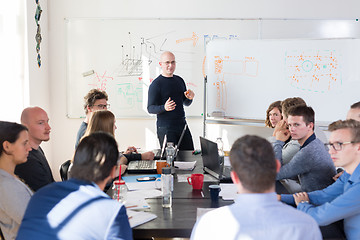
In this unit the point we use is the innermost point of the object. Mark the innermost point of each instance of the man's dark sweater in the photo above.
(159, 92)
(36, 171)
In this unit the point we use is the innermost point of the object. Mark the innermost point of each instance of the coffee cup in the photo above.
(214, 192)
(196, 180)
(160, 165)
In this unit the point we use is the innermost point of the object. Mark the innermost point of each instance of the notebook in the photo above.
(210, 157)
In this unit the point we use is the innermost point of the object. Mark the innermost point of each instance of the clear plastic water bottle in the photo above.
(119, 191)
(170, 154)
(220, 146)
(167, 181)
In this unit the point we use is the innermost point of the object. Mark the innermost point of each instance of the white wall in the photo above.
(39, 84)
(48, 85)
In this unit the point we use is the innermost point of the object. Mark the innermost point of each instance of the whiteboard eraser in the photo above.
(88, 73)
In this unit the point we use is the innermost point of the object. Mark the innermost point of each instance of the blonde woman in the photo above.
(104, 120)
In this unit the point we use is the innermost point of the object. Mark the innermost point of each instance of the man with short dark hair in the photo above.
(341, 199)
(312, 163)
(94, 100)
(36, 171)
(354, 112)
(256, 213)
(78, 208)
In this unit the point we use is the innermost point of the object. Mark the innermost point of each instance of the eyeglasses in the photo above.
(103, 106)
(167, 63)
(337, 146)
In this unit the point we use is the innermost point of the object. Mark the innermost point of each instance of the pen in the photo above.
(202, 194)
(132, 206)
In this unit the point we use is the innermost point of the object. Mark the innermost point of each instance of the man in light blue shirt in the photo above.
(256, 213)
(340, 200)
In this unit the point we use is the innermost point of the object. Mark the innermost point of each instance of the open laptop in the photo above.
(146, 166)
(212, 165)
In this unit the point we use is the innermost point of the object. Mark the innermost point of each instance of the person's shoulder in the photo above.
(293, 142)
(213, 215)
(51, 187)
(8, 183)
(157, 79)
(293, 215)
(83, 125)
(177, 77)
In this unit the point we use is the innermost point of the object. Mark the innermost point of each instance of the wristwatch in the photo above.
(303, 201)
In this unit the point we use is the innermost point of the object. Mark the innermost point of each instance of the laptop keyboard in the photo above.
(144, 165)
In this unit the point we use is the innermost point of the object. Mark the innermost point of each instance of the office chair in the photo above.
(64, 170)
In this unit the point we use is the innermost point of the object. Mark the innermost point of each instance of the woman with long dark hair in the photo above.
(15, 195)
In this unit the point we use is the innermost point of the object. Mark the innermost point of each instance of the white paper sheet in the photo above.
(228, 191)
(138, 218)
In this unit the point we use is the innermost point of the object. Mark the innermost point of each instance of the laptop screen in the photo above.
(210, 157)
(163, 147)
(180, 139)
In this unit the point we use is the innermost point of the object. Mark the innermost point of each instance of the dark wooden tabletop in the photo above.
(178, 220)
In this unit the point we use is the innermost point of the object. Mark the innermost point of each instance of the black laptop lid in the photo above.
(210, 157)
(180, 139)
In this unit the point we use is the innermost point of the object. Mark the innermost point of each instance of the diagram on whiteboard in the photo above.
(249, 67)
(316, 71)
(100, 81)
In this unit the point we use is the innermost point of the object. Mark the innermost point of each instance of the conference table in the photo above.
(178, 220)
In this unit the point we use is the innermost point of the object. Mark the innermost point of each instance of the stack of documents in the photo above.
(138, 218)
(185, 165)
(136, 198)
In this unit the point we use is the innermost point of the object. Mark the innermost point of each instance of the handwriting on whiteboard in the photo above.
(313, 70)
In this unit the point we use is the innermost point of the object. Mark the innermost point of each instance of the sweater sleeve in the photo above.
(154, 102)
(133, 156)
(277, 146)
(14, 200)
(297, 165)
(342, 207)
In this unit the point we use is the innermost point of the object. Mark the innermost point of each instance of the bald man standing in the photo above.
(36, 171)
(167, 97)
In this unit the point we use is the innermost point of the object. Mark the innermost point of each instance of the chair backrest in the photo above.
(64, 170)
(1, 235)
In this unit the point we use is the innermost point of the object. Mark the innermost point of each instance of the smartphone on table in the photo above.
(144, 179)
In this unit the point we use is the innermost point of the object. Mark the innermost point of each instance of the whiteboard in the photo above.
(121, 57)
(245, 76)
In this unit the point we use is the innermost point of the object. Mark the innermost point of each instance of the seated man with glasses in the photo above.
(167, 97)
(94, 100)
(341, 199)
